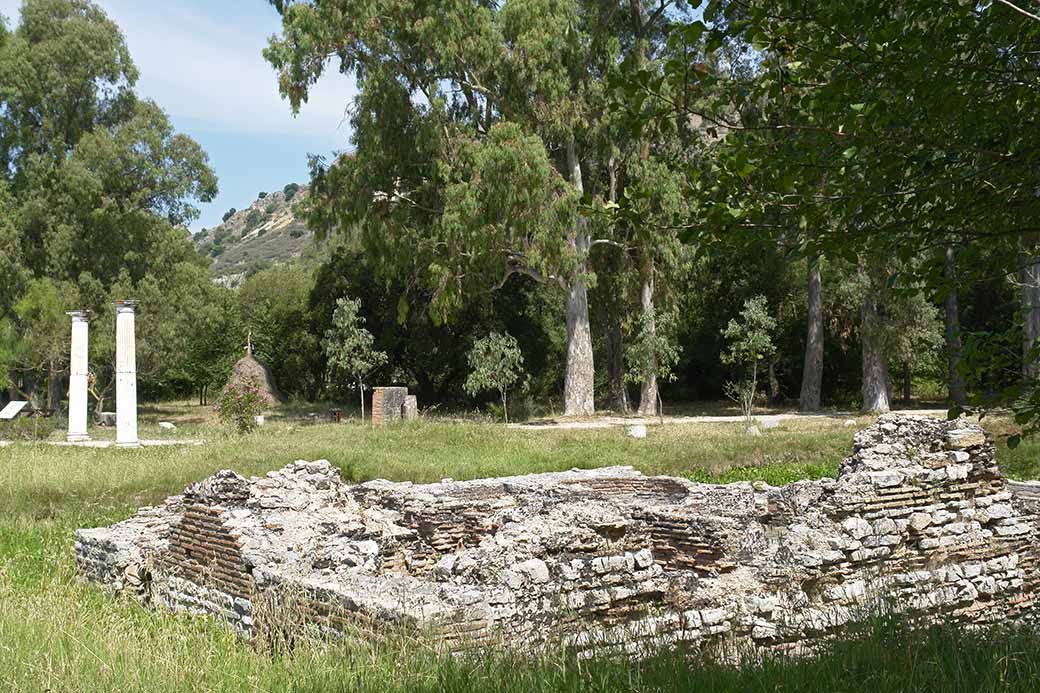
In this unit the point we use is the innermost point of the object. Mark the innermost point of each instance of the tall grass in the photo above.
(58, 633)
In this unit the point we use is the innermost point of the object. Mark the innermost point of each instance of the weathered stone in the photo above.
(964, 438)
(388, 404)
(857, 527)
(636, 431)
(918, 521)
(593, 556)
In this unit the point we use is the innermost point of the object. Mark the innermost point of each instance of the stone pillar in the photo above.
(78, 374)
(410, 410)
(126, 377)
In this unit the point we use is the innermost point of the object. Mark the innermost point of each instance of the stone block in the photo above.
(388, 404)
(410, 412)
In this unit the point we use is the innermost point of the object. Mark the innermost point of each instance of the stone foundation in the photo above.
(919, 520)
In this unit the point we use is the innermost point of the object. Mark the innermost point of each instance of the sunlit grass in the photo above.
(58, 633)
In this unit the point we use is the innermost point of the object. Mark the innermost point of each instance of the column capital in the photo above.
(78, 315)
(126, 306)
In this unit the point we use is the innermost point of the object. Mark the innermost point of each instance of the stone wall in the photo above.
(919, 520)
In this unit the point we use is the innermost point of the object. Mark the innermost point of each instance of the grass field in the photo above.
(57, 633)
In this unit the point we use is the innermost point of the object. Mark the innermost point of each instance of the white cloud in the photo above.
(208, 70)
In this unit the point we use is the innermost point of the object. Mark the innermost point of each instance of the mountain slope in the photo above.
(266, 232)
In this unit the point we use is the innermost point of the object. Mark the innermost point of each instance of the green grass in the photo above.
(58, 633)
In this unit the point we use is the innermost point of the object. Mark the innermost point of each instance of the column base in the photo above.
(133, 444)
(77, 438)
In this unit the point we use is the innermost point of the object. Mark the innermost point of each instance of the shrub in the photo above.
(228, 214)
(27, 428)
(296, 233)
(271, 208)
(253, 219)
(290, 191)
(261, 195)
(240, 404)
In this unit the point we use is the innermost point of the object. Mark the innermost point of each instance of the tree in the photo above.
(348, 346)
(750, 341)
(880, 155)
(475, 159)
(651, 354)
(94, 186)
(812, 371)
(44, 337)
(955, 381)
(495, 363)
(274, 305)
(916, 335)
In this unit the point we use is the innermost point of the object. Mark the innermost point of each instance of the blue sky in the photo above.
(201, 61)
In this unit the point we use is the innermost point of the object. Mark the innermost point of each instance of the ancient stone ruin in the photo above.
(390, 404)
(919, 520)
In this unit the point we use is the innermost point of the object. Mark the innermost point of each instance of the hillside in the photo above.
(266, 232)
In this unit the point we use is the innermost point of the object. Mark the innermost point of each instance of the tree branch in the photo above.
(1020, 10)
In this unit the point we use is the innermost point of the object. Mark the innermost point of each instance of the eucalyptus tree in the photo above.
(907, 131)
(480, 133)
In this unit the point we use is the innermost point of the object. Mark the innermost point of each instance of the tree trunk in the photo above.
(906, 382)
(578, 389)
(877, 387)
(616, 365)
(53, 386)
(774, 382)
(579, 382)
(361, 389)
(1030, 295)
(648, 393)
(954, 377)
(613, 338)
(505, 410)
(812, 372)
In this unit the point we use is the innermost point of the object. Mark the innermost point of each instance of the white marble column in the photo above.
(78, 373)
(126, 377)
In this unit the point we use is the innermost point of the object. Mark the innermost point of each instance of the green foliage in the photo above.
(496, 363)
(750, 341)
(274, 305)
(228, 214)
(261, 195)
(348, 347)
(239, 405)
(290, 191)
(95, 187)
(28, 428)
(824, 127)
(253, 219)
(475, 160)
(297, 232)
(653, 349)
